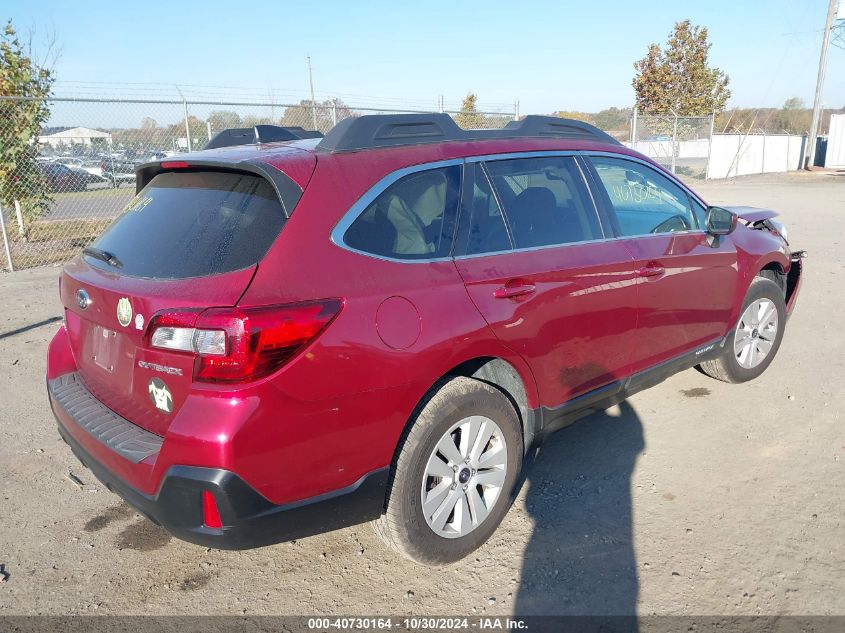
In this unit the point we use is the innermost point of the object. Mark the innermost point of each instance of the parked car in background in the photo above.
(147, 156)
(62, 178)
(283, 339)
(93, 167)
(118, 170)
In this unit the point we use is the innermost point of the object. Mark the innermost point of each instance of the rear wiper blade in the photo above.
(105, 256)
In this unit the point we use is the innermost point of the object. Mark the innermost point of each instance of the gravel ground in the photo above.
(694, 497)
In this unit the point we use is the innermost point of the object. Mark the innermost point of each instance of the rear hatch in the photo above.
(190, 240)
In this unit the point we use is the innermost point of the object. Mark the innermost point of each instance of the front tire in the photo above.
(455, 472)
(753, 343)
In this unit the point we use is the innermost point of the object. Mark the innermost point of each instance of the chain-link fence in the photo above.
(84, 173)
(691, 147)
(681, 144)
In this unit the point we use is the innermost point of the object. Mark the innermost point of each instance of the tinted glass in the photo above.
(487, 233)
(644, 200)
(194, 224)
(413, 218)
(545, 201)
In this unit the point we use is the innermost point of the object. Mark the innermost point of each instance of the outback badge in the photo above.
(124, 311)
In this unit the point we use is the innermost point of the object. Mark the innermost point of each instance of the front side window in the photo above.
(643, 200)
(545, 201)
(413, 218)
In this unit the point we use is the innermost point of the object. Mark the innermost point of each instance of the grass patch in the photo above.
(74, 231)
(95, 194)
(55, 256)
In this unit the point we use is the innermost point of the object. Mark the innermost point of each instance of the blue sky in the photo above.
(549, 55)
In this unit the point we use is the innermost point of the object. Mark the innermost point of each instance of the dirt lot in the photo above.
(695, 497)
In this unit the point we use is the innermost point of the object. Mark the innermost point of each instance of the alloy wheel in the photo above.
(464, 476)
(756, 333)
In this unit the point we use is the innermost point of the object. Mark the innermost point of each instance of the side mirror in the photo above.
(720, 221)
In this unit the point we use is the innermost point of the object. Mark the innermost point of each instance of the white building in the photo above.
(76, 135)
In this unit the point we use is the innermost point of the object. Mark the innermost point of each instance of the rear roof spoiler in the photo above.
(259, 134)
(393, 130)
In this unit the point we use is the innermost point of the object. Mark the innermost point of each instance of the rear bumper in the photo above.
(249, 519)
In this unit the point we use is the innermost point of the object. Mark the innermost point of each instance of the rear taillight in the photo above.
(238, 345)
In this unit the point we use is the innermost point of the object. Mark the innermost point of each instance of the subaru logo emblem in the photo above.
(82, 299)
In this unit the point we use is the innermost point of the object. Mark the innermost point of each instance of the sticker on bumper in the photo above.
(160, 395)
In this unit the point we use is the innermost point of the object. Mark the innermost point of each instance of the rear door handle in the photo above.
(509, 292)
(651, 271)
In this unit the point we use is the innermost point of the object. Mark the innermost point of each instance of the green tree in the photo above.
(298, 115)
(678, 78)
(302, 115)
(223, 119)
(251, 120)
(468, 116)
(793, 103)
(612, 118)
(574, 114)
(20, 125)
(793, 117)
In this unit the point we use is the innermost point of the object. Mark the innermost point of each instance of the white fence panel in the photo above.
(741, 154)
(796, 152)
(723, 150)
(750, 159)
(776, 154)
(836, 142)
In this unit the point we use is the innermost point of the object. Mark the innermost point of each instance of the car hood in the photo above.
(752, 214)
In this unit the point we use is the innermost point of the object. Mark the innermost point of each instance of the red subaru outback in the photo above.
(281, 338)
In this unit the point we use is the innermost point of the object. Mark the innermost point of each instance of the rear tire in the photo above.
(454, 474)
(754, 341)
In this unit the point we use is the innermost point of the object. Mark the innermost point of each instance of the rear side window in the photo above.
(194, 224)
(487, 232)
(414, 218)
(545, 201)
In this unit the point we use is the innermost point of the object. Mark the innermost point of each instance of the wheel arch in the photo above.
(772, 265)
(511, 376)
(774, 271)
(502, 375)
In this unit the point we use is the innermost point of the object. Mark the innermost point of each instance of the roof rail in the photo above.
(394, 130)
(259, 134)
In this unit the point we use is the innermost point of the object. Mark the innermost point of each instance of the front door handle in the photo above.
(517, 290)
(652, 271)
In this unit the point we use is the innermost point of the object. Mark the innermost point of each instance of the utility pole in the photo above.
(313, 102)
(814, 126)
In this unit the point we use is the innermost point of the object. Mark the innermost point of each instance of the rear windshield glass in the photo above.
(193, 224)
